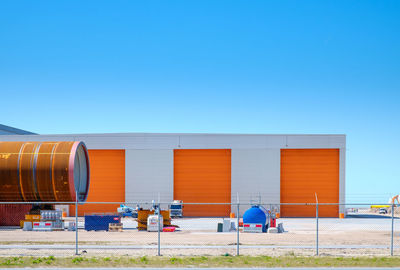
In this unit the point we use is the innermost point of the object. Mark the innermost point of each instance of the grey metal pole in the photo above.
(76, 224)
(316, 223)
(317, 228)
(392, 234)
(237, 233)
(159, 227)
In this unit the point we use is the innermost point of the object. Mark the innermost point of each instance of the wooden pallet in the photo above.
(115, 227)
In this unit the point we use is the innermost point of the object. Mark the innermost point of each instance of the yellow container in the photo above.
(32, 217)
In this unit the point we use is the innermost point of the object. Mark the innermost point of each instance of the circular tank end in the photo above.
(80, 173)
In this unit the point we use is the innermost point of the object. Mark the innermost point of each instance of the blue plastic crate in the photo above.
(100, 222)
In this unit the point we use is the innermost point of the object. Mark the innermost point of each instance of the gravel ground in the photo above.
(300, 232)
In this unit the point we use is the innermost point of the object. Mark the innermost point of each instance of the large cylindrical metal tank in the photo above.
(43, 171)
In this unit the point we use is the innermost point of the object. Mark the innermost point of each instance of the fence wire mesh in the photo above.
(201, 229)
(396, 233)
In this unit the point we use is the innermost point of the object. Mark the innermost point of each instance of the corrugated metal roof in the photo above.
(7, 130)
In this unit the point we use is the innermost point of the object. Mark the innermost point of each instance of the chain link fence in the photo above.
(197, 229)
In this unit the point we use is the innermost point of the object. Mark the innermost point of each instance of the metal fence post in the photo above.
(159, 227)
(317, 228)
(76, 224)
(316, 223)
(237, 233)
(391, 240)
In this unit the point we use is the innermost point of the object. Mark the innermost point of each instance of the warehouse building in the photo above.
(213, 168)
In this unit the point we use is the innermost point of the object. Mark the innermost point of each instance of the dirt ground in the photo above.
(200, 252)
(345, 237)
(195, 238)
(183, 243)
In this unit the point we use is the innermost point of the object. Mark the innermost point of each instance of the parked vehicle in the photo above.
(382, 211)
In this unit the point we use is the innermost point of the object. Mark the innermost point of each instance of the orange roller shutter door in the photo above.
(107, 182)
(203, 176)
(305, 172)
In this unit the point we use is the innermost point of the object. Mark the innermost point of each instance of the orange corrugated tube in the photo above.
(44, 171)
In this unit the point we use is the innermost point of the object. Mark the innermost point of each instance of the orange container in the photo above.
(277, 215)
(232, 215)
(341, 215)
(241, 222)
(64, 214)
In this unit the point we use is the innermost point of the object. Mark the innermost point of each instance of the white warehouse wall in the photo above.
(148, 173)
(255, 175)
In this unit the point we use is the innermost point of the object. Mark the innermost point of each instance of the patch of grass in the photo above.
(144, 259)
(77, 260)
(37, 260)
(200, 261)
(12, 261)
(94, 260)
(174, 260)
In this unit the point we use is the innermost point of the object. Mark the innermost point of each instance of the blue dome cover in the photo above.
(255, 215)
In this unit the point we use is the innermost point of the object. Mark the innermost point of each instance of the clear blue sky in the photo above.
(211, 66)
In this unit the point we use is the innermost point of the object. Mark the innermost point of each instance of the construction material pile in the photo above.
(144, 214)
(48, 220)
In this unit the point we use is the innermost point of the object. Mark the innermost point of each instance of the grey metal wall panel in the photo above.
(192, 141)
(221, 141)
(130, 142)
(255, 174)
(148, 173)
(275, 141)
(316, 141)
(107, 141)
